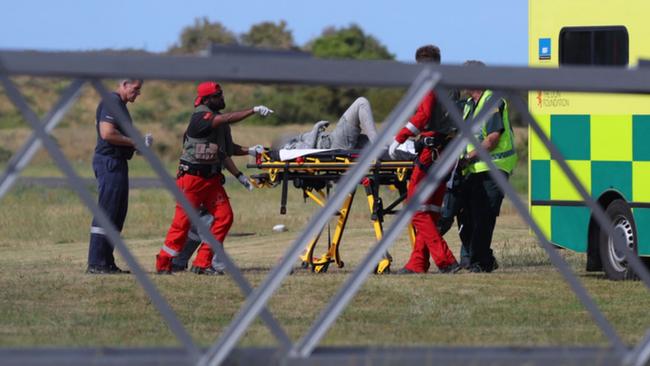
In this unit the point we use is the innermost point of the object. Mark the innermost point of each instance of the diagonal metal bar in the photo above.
(599, 213)
(640, 355)
(305, 346)
(77, 184)
(217, 246)
(555, 258)
(220, 350)
(24, 155)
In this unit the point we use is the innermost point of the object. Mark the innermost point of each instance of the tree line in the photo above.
(292, 103)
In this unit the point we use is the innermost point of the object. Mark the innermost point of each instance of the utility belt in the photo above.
(199, 170)
(437, 142)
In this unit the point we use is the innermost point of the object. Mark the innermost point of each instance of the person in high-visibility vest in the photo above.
(482, 196)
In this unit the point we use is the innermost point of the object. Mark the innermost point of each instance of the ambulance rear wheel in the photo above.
(613, 258)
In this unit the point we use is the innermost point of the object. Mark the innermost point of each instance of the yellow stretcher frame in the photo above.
(313, 175)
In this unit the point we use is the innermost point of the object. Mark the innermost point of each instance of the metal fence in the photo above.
(90, 68)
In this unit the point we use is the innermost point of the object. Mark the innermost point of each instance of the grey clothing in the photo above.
(355, 120)
(193, 241)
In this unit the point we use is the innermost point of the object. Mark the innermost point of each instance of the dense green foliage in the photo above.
(199, 36)
(269, 34)
(351, 43)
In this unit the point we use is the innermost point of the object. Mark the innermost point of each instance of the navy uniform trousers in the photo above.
(113, 188)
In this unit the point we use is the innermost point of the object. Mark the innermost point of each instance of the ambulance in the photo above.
(605, 138)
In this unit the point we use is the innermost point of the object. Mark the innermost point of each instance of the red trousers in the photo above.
(210, 193)
(427, 239)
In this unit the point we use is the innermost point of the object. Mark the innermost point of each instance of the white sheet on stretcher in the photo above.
(296, 153)
(289, 154)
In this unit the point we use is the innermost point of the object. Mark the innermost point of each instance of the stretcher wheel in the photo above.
(341, 264)
(304, 265)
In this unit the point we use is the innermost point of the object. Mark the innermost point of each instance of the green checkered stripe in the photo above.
(607, 153)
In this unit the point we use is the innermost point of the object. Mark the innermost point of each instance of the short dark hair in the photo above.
(428, 53)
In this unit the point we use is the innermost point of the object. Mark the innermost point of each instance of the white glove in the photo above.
(254, 150)
(391, 149)
(243, 179)
(262, 110)
(148, 140)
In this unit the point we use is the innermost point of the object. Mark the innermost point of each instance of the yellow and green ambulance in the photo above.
(605, 138)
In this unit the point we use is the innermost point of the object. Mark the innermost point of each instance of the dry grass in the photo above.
(48, 300)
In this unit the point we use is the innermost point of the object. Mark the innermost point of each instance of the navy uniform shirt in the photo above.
(105, 113)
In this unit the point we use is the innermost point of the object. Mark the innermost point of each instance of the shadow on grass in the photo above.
(238, 235)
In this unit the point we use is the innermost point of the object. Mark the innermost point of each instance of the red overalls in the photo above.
(198, 190)
(202, 184)
(427, 239)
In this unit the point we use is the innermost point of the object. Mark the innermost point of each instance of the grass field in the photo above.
(47, 300)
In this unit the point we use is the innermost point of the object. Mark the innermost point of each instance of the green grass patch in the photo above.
(48, 301)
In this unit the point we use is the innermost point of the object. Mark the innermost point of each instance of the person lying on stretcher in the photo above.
(355, 128)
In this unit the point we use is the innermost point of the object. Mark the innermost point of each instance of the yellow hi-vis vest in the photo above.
(503, 155)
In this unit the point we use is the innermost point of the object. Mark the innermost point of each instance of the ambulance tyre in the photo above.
(614, 262)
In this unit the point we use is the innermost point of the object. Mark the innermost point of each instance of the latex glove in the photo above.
(243, 179)
(262, 110)
(148, 140)
(392, 148)
(254, 150)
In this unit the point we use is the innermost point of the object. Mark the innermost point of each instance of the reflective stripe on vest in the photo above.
(503, 155)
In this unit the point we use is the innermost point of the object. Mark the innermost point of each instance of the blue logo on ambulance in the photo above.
(544, 48)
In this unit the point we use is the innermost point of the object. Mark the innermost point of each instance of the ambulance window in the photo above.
(602, 46)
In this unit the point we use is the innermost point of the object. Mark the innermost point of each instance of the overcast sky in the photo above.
(495, 32)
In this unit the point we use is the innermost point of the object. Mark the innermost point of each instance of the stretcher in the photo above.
(315, 171)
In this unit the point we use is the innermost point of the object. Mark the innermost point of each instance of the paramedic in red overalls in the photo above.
(207, 148)
(428, 242)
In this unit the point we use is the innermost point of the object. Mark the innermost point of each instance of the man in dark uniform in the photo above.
(207, 148)
(112, 152)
